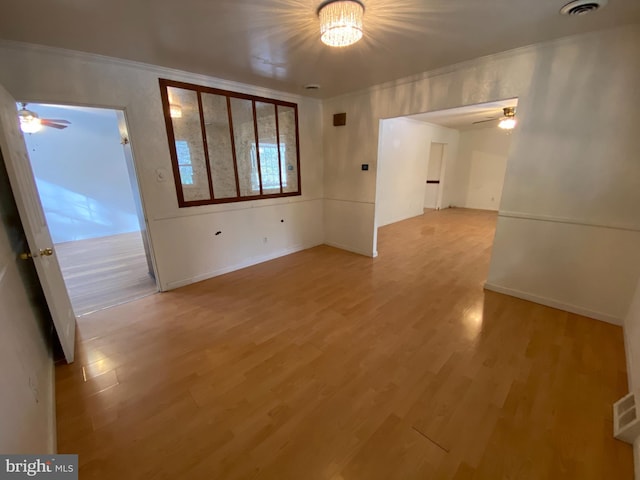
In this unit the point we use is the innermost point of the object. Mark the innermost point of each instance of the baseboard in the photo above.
(232, 268)
(636, 458)
(352, 249)
(53, 425)
(550, 302)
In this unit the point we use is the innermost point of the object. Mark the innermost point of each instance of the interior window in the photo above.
(228, 146)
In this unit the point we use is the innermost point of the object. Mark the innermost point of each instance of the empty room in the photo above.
(392, 240)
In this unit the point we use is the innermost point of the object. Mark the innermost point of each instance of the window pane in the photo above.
(287, 128)
(268, 147)
(189, 147)
(245, 139)
(216, 122)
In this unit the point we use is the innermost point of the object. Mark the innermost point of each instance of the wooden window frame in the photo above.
(199, 90)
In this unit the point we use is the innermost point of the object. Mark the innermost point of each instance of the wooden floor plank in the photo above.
(330, 365)
(105, 271)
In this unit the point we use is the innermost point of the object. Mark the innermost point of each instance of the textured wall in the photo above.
(183, 240)
(573, 166)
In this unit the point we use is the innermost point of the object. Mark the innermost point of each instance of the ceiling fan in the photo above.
(30, 122)
(507, 122)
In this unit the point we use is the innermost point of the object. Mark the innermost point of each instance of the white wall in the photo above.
(82, 174)
(632, 340)
(434, 171)
(570, 211)
(27, 407)
(482, 157)
(403, 160)
(183, 240)
(632, 347)
(573, 167)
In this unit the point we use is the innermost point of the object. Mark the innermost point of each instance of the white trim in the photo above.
(232, 268)
(572, 221)
(174, 74)
(352, 249)
(550, 302)
(636, 458)
(627, 354)
(348, 201)
(53, 425)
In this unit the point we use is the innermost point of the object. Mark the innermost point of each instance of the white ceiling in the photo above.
(275, 43)
(463, 118)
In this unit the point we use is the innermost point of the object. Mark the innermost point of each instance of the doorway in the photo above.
(432, 192)
(441, 159)
(86, 181)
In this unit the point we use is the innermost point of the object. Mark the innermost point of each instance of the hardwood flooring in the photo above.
(329, 365)
(105, 271)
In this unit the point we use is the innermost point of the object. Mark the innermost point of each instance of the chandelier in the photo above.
(341, 22)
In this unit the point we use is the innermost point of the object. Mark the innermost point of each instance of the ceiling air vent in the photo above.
(582, 7)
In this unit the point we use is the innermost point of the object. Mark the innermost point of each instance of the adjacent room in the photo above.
(443, 159)
(359, 272)
(89, 194)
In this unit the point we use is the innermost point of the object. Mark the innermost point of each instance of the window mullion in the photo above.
(255, 130)
(278, 145)
(233, 147)
(205, 146)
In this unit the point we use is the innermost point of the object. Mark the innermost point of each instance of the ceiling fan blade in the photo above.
(56, 120)
(54, 125)
(482, 121)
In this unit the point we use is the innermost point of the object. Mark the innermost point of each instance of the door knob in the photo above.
(26, 256)
(46, 252)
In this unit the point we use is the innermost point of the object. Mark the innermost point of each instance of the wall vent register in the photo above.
(626, 423)
(228, 146)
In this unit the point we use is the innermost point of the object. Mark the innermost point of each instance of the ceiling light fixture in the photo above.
(509, 120)
(341, 22)
(29, 121)
(175, 111)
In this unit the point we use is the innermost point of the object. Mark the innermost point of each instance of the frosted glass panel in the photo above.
(245, 139)
(189, 145)
(268, 147)
(288, 148)
(216, 122)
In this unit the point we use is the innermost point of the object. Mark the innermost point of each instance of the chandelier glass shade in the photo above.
(341, 22)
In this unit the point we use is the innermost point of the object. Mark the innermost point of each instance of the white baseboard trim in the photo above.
(636, 458)
(550, 302)
(53, 424)
(231, 268)
(352, 249)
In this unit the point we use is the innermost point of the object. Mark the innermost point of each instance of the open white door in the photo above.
(35, 225)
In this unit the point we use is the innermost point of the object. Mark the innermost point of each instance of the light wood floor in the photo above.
(105, 271)
(330, 365)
